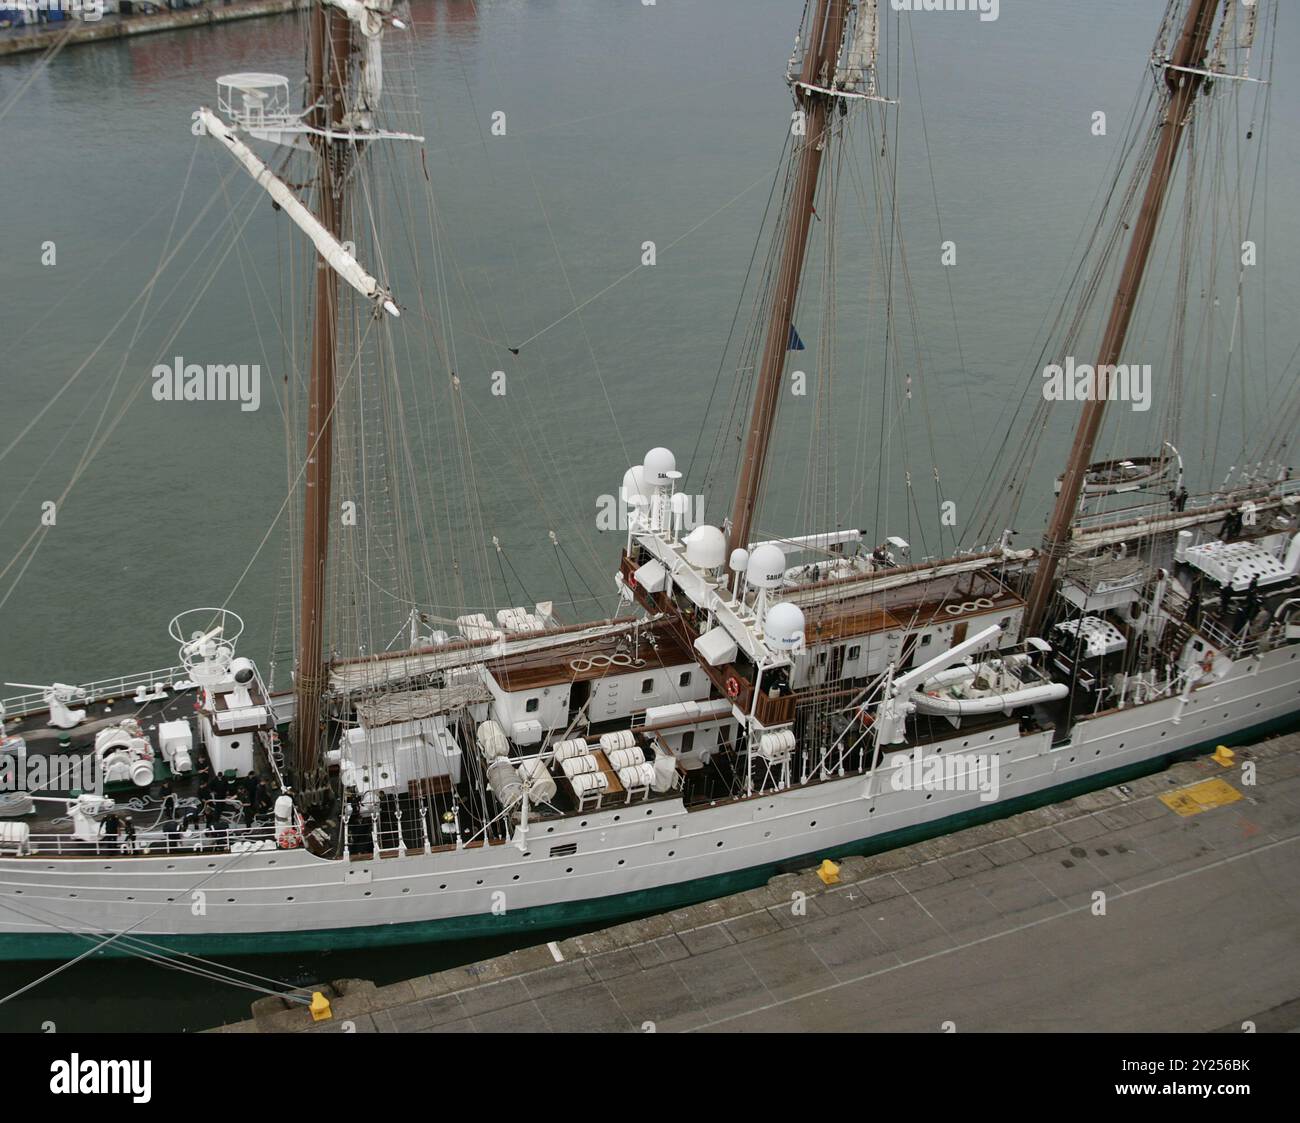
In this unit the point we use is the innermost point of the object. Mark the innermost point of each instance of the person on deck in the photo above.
(168, 802)
(128, 837)
(1251, 605)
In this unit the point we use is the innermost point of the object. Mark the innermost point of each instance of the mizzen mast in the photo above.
(331, 45)
(813, 96)
(1185, 74)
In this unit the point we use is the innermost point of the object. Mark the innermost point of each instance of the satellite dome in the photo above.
(738, 561)
(660, 467)
(706, 547)
(634, 488)
(766, 569)
(784, 626)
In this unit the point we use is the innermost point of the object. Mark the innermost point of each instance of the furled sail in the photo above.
(858, 64)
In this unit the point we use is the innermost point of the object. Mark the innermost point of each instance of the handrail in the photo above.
(19, 705)
(152, 843)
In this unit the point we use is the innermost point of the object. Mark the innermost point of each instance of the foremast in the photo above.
(330, 48)
(1185, 76)
(813, 96)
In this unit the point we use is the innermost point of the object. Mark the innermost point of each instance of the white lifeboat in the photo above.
(986, 688)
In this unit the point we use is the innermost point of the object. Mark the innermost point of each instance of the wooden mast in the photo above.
(331, 44)
(821, 51)
(1189, 53)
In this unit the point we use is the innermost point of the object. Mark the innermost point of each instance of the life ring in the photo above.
(291, 839)
(732, 686)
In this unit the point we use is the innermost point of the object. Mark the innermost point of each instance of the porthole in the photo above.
(406, 889)
(813, 823)
(621, 861)
(443, 886)
(719, 844)
(569, 870)
(672, 853)
(929, 795)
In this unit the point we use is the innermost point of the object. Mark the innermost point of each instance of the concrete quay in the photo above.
(998, 927)
(23, 40)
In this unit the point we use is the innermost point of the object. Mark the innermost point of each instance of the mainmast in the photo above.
(331, 45)
(813, 98)
(1184, 74)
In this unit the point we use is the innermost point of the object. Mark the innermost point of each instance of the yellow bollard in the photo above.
(1224, 756)
(320, 1007)
(829, 872)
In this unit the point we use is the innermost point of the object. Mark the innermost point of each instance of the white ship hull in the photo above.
(628, 858)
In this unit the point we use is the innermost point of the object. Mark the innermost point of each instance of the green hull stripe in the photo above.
(591, 913)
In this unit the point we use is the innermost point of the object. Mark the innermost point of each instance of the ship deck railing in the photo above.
(151, 843)
(1160, 507)
(19, 705)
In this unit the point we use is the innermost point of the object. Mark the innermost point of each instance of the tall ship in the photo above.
(756, 698)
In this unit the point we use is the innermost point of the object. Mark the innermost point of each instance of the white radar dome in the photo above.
(738, 561)
(706, 547)
(660, 467)
(784, 626)
(634, 488)
(766, 569)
